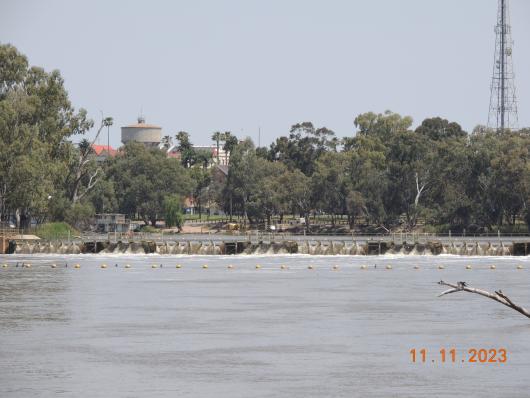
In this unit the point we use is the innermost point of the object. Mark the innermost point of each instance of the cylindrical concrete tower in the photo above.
(147, 134)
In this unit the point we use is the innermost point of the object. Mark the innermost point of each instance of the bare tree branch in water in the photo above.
(497, 296)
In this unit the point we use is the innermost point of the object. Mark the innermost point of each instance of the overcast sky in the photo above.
(202, 66)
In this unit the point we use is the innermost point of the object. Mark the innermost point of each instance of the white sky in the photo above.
(202, 66)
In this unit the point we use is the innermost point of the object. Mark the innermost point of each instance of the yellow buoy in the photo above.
(154, 266)
(441, 267)
(309, 267)
(283, 266)
(127, 266)
(493, 266)
(54, 266)
(416, 267)
(4, 265)
(205, 266)
(519, 267)
(468, 266)
(335, 267)
(388, 266)
(28, 265)
(230, 266)
(77, 266)
(178, 266)
(103, 266)
(363, 266)
(258, 266)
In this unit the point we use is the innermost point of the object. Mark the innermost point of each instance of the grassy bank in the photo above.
(55, 231)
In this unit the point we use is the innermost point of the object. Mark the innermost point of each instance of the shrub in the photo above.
(148, 229)
(55, 231)
(80, 215)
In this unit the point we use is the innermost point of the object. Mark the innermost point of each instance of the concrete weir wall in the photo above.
(314, 247)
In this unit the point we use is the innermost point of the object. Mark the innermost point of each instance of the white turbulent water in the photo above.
(193, 332)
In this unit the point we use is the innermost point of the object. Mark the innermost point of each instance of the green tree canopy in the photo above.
(303, 147)
(382, 125)
(36, 122)
(144, 177)
(173, 212)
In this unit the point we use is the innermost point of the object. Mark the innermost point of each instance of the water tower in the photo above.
(148, 134)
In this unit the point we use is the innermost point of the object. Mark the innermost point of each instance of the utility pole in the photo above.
(503, 101)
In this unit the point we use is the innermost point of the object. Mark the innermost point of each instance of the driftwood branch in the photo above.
(498, 295)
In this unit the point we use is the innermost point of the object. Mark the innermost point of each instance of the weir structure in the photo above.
(328, 246)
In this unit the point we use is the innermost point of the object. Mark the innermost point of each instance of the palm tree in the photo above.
(184, 140)
(187, 153)
(227, 136)
(231, 142)
(217, 136)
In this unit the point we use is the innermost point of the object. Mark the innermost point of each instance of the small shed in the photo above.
(112, 222)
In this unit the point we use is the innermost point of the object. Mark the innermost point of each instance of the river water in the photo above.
(268, 332)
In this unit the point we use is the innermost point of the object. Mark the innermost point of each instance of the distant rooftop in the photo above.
(99, 149)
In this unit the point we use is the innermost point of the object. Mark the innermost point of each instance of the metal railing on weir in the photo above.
(259, 236)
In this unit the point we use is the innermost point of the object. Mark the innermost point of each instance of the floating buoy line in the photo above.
(230, 266)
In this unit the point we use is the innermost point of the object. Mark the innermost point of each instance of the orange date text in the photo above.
(452, 355)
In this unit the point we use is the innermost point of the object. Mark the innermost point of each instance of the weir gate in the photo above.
(300, 245)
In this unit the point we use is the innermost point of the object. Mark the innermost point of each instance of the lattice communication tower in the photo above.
(503, 101)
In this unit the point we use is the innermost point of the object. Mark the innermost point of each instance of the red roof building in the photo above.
(103, 152)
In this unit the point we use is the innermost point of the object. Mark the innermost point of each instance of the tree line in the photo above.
(387, 175)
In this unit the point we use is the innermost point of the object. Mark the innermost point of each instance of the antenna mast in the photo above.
(503, 101)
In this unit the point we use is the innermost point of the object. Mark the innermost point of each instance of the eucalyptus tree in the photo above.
(410, 167)
(241, 179)
(382, 125)
(367, 180)
(143, 178)
(37, 122)
(296, 193)
(328, 184)
(251, 184)
(304, 145)
(409, 162)
(201, 177)
(267, 198)
(83, 167)
(438, 129)
(500, 176)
